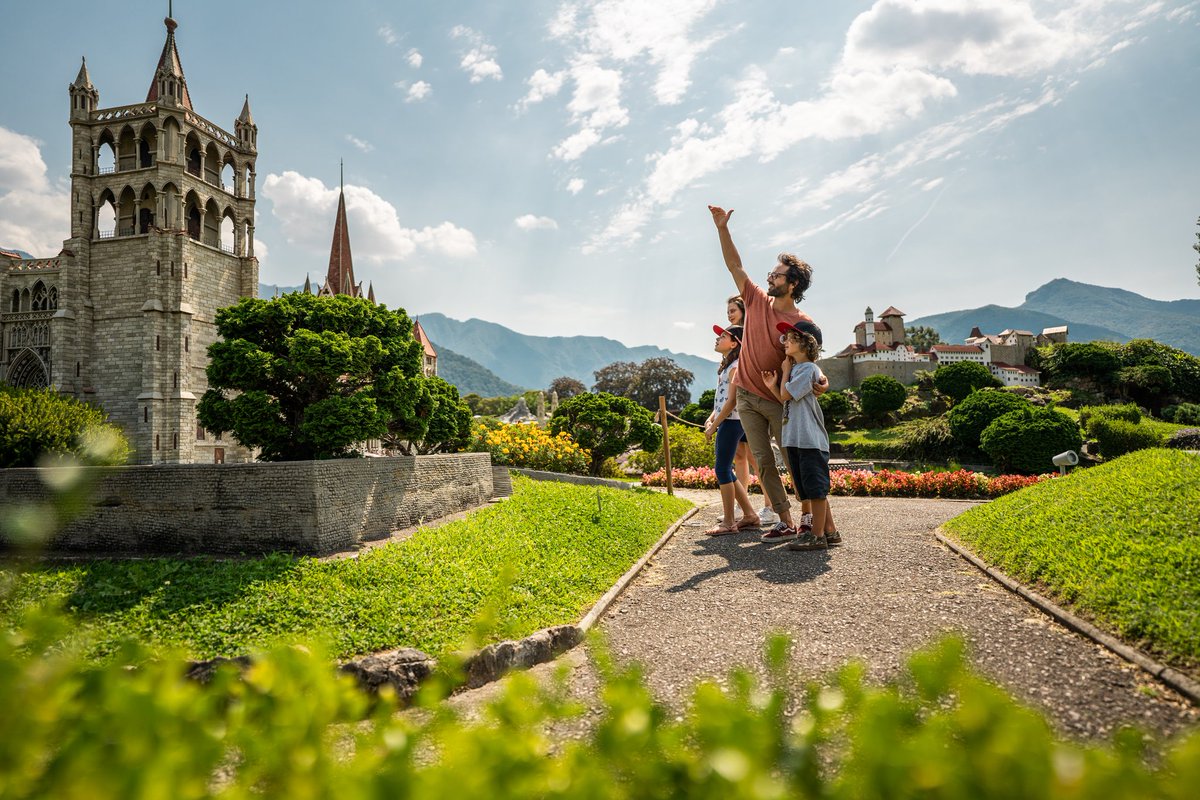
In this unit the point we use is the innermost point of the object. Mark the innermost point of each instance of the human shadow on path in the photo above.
(773, 563)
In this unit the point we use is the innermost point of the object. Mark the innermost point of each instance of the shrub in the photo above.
(1184, 368)
(529, 446)
(835, 406)
(969, 418)
(1117, 437)
(1026, 440)
(695, 413)
(959, 379)
(606, 425)
(37, 422)
(688, 449)
(1186, 439)
(1127, 412)
(880, 394)
(928, 439)
(1079, 360)
(1183, 414)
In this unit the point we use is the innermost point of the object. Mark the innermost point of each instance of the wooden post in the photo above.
(662, 415)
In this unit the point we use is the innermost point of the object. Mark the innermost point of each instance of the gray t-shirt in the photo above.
(803, 422)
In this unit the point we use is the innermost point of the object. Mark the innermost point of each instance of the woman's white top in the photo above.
(723, 390)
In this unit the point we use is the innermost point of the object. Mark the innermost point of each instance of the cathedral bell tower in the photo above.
(162, 236)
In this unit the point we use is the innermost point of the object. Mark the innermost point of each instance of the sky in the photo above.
(547, 164)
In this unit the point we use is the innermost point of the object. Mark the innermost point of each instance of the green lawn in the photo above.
(1119, 543)
(862, 436)
(541, 558)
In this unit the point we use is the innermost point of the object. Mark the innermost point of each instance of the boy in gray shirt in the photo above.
(805, 441)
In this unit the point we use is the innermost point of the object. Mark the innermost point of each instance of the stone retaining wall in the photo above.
(310, 507)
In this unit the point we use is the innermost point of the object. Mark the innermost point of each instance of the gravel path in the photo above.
(704, 604)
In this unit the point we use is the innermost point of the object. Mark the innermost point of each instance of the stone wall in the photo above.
(310, 507)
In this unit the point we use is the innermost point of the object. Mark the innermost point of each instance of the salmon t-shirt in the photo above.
(761, 349)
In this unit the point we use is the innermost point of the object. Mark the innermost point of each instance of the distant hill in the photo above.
(268, 290)
(21, 253)
(1093, 313)
(534, 361)
(471, 376)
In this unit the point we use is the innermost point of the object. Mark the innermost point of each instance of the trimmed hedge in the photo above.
(1117, 437)
(981, 408)
(1027, 440)
(39, 422)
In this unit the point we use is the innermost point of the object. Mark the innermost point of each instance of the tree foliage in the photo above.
(661, 377)
(606, 425)
(1027, 440)
(922, 337)
(879, 395)
(970, 418)
(1089, 360)
(836, 406)
(567, 387)
(959, 379)
(305, 377)
(39, 422)
(616, 378)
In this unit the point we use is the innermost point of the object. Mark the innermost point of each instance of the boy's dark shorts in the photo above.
(810, 472)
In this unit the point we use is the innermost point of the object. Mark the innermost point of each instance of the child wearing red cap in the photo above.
(725, 424)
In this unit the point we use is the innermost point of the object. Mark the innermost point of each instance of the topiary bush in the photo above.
(606, 425)
(836, 406)
(927, 439)
(1126, 412)
(968, 420)
(1186, 439)
(1183, 414)
(1117, 437)
(880, 395)
(37, 422)
(1026, 440)
(963, 377)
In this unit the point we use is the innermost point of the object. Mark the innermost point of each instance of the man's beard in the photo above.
(778, 291)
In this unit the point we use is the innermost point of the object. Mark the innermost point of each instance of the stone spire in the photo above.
(307, 284)
(244, 127)
(340, 277)
(371, 291)
(168, 84)
(245, 115)
(84, 97)
(83, 80)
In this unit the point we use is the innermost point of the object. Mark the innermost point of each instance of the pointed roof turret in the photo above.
(371, 291)
(169, 66)
(245, 115)
(340, 277)
(307, 284)
(83, 80)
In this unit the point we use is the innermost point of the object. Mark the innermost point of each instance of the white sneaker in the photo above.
(806, 519)
(768, 516)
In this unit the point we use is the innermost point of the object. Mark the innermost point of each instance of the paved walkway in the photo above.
(706, 603)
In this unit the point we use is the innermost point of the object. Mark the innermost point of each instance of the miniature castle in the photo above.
(880, 348)
(162, 235)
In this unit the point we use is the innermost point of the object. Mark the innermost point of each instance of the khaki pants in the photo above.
(763, 420)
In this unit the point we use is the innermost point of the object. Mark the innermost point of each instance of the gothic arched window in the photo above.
(41, 298)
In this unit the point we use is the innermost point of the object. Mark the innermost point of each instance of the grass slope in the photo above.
(539, 559)
(1119, 543)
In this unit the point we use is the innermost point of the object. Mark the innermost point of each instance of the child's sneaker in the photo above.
(779, 533)
(807, 541)
(806, 519)
(767, 516)
(833, 538)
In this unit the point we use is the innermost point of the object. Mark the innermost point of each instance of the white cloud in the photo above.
(414, 58)
(418, 91)
(361, 144)
(933, 184)
(576, 145)
(480, 60)
(34, 214)
(305, 208)
(530, 222)
(575, 185)
(595, 106)
(388, 35)
(626, 31)
(541, 85)
(684, 326)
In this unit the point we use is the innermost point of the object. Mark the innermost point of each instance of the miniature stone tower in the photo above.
(162, 235)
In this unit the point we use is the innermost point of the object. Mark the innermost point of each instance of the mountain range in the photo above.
(1091, 313)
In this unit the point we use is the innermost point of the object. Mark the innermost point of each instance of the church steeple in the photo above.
(244, 127)
(340, 277)
(169, 86)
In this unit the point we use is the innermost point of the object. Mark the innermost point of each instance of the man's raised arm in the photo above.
(732, 260)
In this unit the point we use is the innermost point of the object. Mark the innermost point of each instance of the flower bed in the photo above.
(527, 445)
(959, 485)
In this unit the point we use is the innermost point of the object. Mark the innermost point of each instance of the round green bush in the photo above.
(959, 379)
(880, 394)
(970, 418)
(1117, 437)
(1026, 440)
(34, 422)
(1183, 414)
(835, 406)
(1129, 412)
(926, 439)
